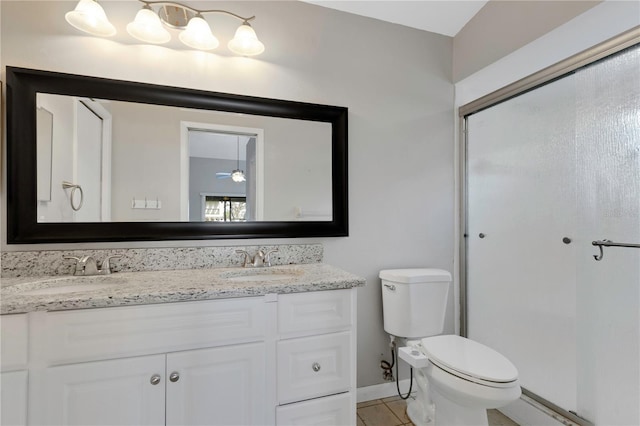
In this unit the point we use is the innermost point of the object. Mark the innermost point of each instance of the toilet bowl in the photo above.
(457, 379)
(466, 378)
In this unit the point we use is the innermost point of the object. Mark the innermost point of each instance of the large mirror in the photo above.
(93, 159)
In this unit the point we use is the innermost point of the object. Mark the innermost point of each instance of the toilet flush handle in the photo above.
(390, 287)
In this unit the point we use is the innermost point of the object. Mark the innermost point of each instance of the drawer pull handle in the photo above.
(174, 377)
(155, 379)
(316, 367)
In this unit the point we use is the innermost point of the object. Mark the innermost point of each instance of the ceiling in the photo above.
(445, 17)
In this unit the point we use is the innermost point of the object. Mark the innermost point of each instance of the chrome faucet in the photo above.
(261, 259)
(87, 265)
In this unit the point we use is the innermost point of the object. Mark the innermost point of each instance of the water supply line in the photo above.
(388, 369)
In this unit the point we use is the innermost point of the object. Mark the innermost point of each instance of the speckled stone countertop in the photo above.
(28, 294)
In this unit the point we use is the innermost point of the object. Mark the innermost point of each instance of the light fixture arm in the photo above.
(238, 152)
(196, 11)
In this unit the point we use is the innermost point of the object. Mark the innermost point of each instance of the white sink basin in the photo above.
(67, 289)
(64, 285)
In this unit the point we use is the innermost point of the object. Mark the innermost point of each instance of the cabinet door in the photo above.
(14, 335)
(219, 386)
(13, 398)
(117, 392)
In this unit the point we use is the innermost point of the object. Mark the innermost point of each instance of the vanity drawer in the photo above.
(314, 312)
(330, 410)
(13, 346)
(105, 333)
(310, 367)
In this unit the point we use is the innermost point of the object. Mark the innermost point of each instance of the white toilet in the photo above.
(457, 379)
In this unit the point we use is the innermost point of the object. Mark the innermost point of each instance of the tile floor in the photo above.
(392, 412)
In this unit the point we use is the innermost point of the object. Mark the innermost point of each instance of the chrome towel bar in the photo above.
(608, 243)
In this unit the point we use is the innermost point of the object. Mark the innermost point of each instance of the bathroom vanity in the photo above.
(220, 346)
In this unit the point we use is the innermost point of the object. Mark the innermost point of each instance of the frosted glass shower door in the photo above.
(548, 172)
(608, 291)
(521, 205)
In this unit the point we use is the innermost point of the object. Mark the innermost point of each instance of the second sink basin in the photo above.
(262, 274)
(64, 285)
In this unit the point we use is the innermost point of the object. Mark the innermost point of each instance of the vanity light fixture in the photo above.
(198, 34)
(89, 16)
(149, 26)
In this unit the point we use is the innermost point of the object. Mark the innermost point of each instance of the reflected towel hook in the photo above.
(609, 243)
(74, 187)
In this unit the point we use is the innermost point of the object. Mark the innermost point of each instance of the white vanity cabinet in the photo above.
(191, 363)
(286, 359)
(13, 369)
(316, 358)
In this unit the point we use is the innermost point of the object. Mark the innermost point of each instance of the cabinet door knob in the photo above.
(174, 377)
(316, 367)
(481, 235)
(155, 379)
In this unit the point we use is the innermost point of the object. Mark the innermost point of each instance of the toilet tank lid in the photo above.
(415, 275)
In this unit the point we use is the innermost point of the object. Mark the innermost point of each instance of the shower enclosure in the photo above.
(550, 168)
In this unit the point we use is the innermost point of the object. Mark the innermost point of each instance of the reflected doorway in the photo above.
(222, 173)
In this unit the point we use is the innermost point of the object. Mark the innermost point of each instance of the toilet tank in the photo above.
(414, 301)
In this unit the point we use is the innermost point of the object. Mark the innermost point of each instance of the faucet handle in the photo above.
(105, 268)
(266, 256)
(77, 267)
(246, 260)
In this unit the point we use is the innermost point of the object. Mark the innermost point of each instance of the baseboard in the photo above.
(383, 390)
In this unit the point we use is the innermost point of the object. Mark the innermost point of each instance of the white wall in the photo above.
(396, 82)
(502, 27)
(596, 25)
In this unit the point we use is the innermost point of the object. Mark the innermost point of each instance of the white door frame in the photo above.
(185, 127)
(105, 116)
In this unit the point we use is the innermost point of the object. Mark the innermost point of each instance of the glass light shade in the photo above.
(198, 35)
(238, 176)
(246, 42)
(89, 16)
(147, 27)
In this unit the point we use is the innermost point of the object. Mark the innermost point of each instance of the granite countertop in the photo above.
(28, 294)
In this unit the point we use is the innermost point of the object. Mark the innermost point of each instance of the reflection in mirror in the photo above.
(45, 143)
(153, 163)
(220, 160)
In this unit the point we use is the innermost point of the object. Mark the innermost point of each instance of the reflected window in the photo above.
(221, 208)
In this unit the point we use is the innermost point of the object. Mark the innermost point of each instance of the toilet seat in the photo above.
(470, 360)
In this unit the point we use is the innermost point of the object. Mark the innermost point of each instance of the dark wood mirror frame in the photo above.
(22, 225)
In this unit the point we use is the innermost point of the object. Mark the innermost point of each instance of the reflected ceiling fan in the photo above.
(236, 175)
